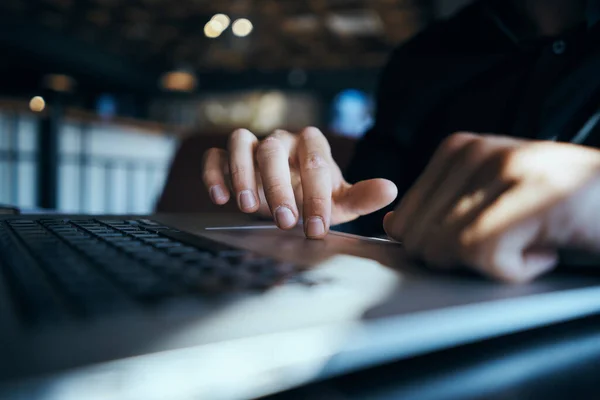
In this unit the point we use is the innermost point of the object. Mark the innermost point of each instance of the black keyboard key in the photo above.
(132, 231)
(112, 222)
(87, 224)
(21, 222)
(110, 234)
(233, 253)
(139, 249)
(46, 222)
(99, 230)
(177, 250)
(154, 226)
(153, 240)
(144, 235)
(196, 256)
(117, 239)
(167, 245)
(148, 222)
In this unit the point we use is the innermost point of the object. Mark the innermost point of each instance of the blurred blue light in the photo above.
(352, 113)
(106, 106)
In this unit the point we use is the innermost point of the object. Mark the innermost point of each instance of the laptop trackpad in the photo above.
(293, 245)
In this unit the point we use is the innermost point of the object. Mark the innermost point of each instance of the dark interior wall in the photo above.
(30, 46)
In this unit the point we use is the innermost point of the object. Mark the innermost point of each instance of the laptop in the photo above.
(225, 307)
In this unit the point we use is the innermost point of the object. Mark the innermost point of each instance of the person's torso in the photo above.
(489, 83)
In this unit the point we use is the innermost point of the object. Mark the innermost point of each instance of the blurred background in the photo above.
(100, 98)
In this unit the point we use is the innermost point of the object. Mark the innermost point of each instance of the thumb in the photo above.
(366, 197)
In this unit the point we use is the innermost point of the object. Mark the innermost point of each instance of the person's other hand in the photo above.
(501, 206)
(286, 173)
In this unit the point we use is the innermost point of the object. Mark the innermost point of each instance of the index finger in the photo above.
(314, 157)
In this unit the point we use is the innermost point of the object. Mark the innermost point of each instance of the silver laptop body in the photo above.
(356, 303)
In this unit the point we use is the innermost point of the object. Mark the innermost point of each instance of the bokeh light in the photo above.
(221, 19)
(242, 27)
(37, 104)
(179, 81)
(213, 29)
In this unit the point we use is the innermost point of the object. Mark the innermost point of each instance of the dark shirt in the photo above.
(474, 73)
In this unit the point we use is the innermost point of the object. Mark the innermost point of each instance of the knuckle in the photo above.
(512, 164)
(315, 161)
(274, 189)
(317, 202)
(270, 144)
(238, 172)
(268, 149)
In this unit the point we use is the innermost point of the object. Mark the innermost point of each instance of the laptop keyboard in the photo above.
(58, 268)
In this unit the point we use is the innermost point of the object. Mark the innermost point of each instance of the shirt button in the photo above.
(559, 47)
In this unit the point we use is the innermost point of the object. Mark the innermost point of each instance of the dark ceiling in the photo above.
(131, 42)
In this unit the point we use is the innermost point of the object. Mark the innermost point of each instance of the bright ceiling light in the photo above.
(213, 29)
(37, 104)
(242, 27)
(221, 19)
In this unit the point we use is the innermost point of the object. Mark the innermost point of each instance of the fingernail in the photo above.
(315, 227)
(247, 200)
(285, 217)
(218, 194)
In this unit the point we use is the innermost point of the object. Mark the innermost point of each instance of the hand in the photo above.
(285, 173)
(501, 206)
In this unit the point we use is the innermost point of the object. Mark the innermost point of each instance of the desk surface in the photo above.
(556, 362)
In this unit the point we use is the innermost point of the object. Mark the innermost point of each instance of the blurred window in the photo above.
(111, 169)
(18, 159)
